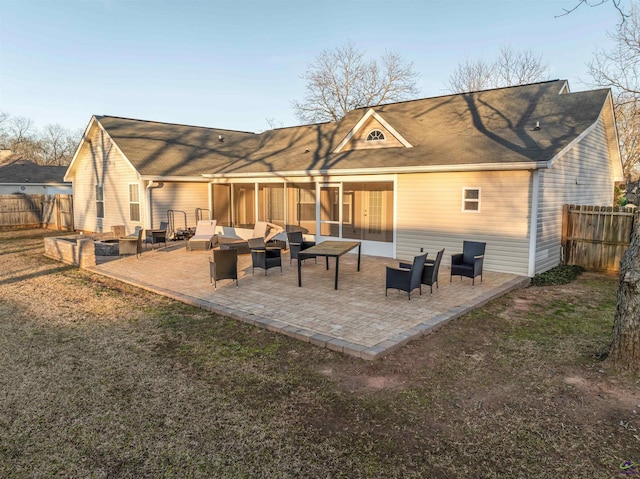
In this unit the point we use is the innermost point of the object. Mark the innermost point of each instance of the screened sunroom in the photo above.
(335, 208)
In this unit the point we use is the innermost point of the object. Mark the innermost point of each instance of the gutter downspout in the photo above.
(533, 224)
(147, 205)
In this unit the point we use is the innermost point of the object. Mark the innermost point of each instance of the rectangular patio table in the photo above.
(333, 249)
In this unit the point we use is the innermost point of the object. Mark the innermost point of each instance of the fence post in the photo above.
(565, 226)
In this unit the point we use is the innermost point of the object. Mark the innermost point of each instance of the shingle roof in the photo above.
(16, 169)
(491, 126)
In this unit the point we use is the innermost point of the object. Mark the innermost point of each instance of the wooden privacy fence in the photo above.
(596, 237)
(36, 211)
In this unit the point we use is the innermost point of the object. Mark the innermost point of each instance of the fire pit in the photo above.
(108, 247)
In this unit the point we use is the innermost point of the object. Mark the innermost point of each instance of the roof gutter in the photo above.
(529, 165)
(28, 183)
(158, 178)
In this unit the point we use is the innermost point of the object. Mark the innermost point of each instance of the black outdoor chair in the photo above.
(224, 265)
(297, 244)
(157, 236)
(406, 279)
(430, 272)
(263, 256)
(469, 262)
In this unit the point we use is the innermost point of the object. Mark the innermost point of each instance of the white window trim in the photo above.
(465, 200)
(99, 201)
(384, 137)
(139, 203)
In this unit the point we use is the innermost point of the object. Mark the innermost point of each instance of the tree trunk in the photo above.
(624, 352)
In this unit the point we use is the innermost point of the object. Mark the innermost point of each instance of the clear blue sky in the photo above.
(233, 64)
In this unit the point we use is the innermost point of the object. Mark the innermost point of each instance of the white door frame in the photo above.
(319, 220)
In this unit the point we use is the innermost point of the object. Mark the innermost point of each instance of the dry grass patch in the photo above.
(99, 379)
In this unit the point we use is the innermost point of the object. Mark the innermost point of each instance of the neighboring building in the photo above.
(493, 166)
(21, 176)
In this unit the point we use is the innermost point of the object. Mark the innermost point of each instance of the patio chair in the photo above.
(263, 256)
(131, 244)
(224, 265)
(469, 262)
(406, 279)
(204, 235)
(430, 272)
(297, 244)
(157, 236)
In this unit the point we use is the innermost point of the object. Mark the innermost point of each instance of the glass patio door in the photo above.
(373, 220)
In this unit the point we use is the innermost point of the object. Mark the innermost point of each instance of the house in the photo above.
(21, 176)
(493, 166)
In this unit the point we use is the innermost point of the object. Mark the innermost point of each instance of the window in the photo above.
(301, 206)
(471, 200)
(99, 201)
(375, 135)
(347, 207)
(271, 203)
(134, 202)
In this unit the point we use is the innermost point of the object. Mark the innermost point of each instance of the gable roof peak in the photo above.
(369, 114)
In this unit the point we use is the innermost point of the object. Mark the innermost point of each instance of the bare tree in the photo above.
(4, 118)
(54, 145)
(4, 134)
(471, 76)
(519, 67)
(593, 3)
(341, 79)
(508, 69)
(57, 144)
(273, 123)
(619, 69)
(624, 352)
(21, 131)
(628, 123)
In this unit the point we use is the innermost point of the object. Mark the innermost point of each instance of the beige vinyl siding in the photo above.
(181, 197)
(429, 214)
(100, 162)
(583, 176)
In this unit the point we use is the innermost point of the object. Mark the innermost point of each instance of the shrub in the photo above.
(561, 274)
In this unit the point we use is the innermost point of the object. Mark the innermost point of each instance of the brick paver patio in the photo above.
(356, 319)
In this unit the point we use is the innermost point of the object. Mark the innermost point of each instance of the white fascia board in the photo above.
(529, 165)
(565, 88)
(371, 113)
(77, 152)
(618, 168)
(573, 143)
(190, 179)
(27, 183)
